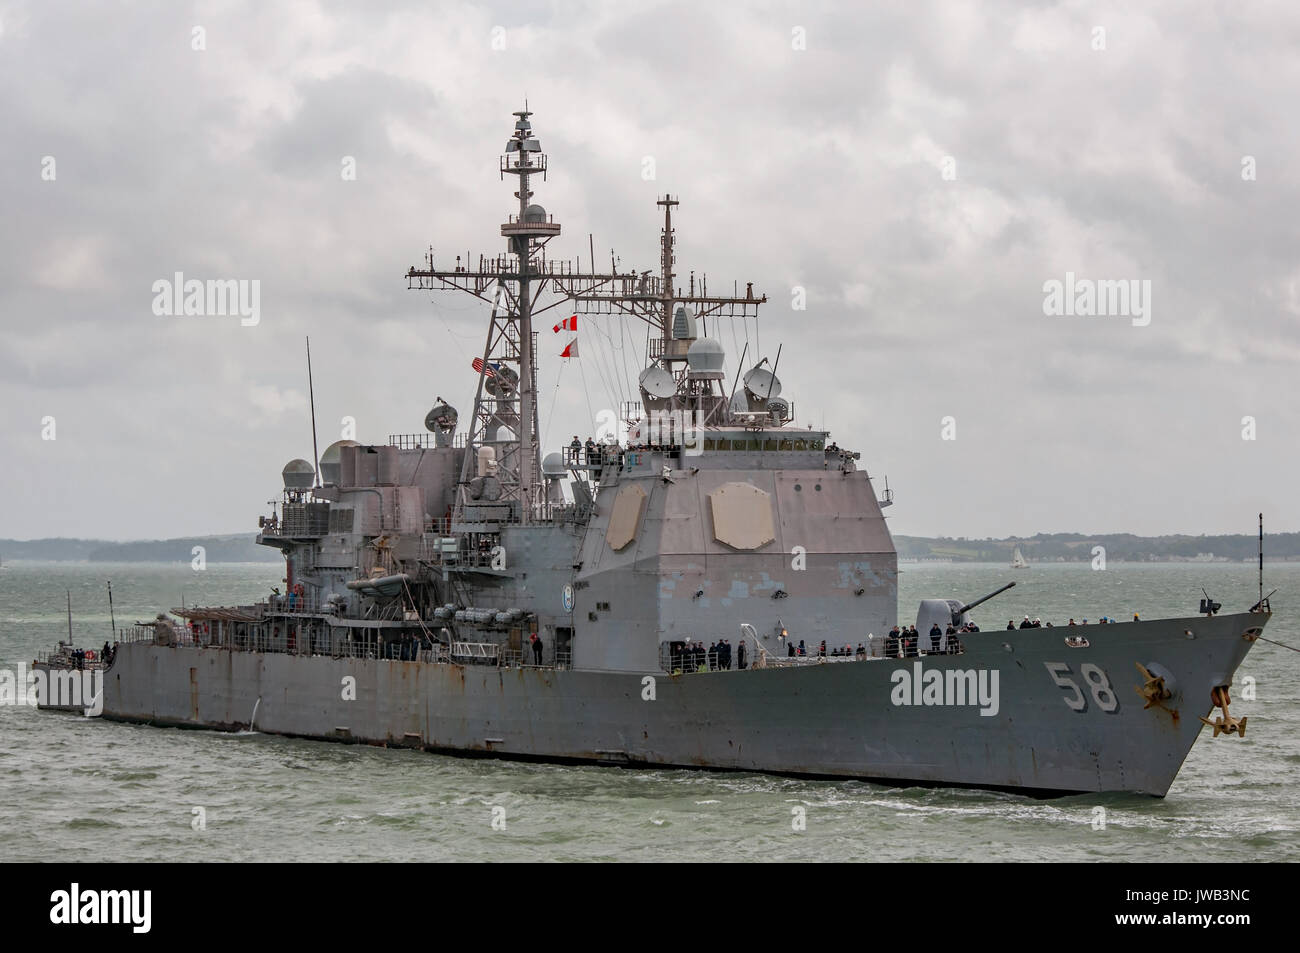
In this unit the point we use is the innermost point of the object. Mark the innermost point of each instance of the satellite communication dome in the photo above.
(705, 358)
(298, 475)
(762, 383)
(534, 213)
(657, 383)
(553, 466)
(442, 417)
(331, 465)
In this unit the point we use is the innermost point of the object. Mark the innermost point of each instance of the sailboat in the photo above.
(1018, 560)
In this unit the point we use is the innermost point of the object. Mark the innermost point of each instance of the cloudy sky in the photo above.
(921, 169)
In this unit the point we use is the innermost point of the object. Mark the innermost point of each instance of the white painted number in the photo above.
(1100, 685)
(1058, 670)
(1097, 682)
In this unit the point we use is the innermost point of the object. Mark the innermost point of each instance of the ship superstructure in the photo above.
(705, 498)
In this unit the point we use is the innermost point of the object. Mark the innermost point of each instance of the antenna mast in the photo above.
(667, 259)
(311, 392)
(505, 406)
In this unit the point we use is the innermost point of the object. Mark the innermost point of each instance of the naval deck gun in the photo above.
(948, 612)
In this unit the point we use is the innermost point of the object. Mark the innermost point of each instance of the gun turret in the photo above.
(966, 608)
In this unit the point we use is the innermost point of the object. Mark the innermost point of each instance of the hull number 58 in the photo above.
(1094, 679)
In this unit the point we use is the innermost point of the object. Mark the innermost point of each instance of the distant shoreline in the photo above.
(230, 548)
(1044, 548)
(1253, 561)
(1108, 547)
(212, 563)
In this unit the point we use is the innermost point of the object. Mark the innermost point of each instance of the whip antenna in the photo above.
(311, 394)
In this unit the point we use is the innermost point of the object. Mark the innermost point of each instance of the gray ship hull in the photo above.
(1054, 719)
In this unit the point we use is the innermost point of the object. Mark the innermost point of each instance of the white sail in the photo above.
(1018, 560)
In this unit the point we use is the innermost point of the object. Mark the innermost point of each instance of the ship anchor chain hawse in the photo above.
(464, 591)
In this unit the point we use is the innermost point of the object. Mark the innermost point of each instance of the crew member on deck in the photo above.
(952, 645)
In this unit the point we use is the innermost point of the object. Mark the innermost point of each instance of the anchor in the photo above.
(1227, 724)
(1152, 688)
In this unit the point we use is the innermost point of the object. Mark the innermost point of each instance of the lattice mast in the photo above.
(505, 404)
(654, 300)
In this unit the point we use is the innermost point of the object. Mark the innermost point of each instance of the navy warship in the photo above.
(458, 591)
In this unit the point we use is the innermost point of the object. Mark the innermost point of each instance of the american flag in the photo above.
(491, 368)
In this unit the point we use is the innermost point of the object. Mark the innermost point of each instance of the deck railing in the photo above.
(64, 661)
(872, 649)
(337, 643)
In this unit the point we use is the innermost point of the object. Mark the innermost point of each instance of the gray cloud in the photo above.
(818, 168)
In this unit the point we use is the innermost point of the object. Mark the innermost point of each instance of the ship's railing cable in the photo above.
(586, 393)
(550, 414)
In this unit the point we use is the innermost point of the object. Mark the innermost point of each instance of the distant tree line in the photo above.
(1120, 547)
(233, 548)
(1045, 547)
